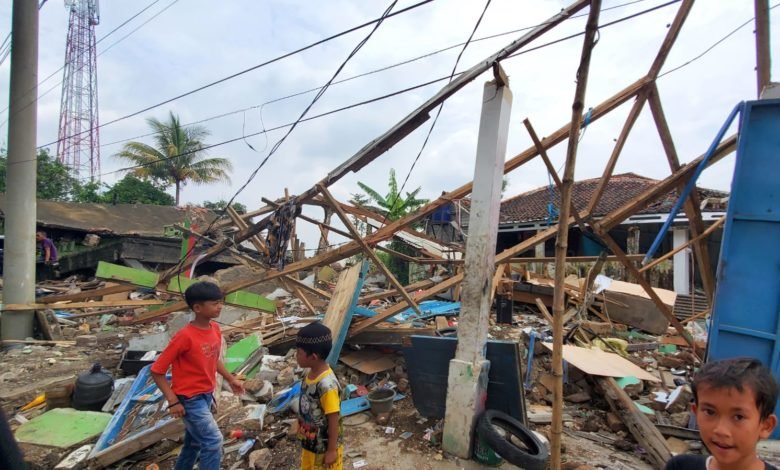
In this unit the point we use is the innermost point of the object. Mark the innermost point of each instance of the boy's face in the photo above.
(208, 308)
(304, 360)
(730, 424)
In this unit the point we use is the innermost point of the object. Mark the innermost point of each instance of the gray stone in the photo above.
(86, 341)
(260, 459)
(150, 342)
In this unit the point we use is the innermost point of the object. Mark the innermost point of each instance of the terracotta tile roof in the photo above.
(532, 206)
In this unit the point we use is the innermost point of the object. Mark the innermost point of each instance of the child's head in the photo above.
(205, 299)
(734, 403)
(313, 344)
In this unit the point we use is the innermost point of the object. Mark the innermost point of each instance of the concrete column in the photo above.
(539, 252)
(468, 373)
(681, 262)
(20, 203)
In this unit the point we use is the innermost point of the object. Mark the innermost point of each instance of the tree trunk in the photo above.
(178, 189)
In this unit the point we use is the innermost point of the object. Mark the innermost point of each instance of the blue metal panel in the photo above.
(747, 298)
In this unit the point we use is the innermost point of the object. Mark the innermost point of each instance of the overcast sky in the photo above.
(195, 42)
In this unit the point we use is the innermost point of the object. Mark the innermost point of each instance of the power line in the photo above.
(714, 45)
(255, 67)
(371, 72)
(369, 101)
(438, 112)
(281, 141)
(99, 54)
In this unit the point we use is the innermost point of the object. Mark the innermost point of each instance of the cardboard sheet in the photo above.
(598, 362)
(368, 362)
(667, 296)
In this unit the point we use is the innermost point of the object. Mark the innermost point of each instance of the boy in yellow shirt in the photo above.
(319, 420)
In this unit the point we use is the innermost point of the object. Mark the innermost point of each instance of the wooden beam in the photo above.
(74, 305)
(368, 251)
(403, 256)
(691, 206)
(663, 187)
(413, 120)
(668, 255)
(628, 125)
(308, 288)
(297, 292)
(424, 284)
(639, 425)
(763, 55)
(241, 224)
(567, 185)
(670, 39)
(544, 311)
(385, 313)
(86, 294)
(632, 270)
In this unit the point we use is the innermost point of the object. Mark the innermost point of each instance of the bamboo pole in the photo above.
(563, 232)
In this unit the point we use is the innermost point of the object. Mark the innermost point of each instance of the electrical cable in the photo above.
(714, 45)
(99, 54)
(361, 75)
(438, 113)
(247, 70)
(354, 105)
(281, 141)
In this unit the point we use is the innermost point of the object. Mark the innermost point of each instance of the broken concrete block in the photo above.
(262, 390)
(253, 419)
(286, 377)
(677, 446)
(260, 459)
(579, 397)
(615, 423)
(87, 341)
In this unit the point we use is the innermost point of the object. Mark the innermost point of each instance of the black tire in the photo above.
(490, 426)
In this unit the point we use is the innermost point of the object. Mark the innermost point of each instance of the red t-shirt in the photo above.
(193, 352)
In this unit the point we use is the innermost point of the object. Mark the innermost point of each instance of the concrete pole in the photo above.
(681, 263)
(468, 373)
(20, 209)
(763, 55)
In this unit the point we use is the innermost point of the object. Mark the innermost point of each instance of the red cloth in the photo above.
(193, 352)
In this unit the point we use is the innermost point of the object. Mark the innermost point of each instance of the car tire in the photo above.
(497, 429)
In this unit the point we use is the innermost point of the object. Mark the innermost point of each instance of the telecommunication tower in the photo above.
(78, 143)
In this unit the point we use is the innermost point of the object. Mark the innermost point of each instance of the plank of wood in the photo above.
(544, 311)
(643, 430)
(441, 323)
(170, 430)
(339, 312)
(48, 324)
(424, 284)
(74, 305)
(87, 294)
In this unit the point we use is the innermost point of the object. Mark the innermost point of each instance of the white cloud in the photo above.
(196, 41)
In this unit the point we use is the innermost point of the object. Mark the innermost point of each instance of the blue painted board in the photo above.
(746, 308)
(340, 336)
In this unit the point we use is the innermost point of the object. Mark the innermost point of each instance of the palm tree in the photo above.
(392, 206)
(177, 156)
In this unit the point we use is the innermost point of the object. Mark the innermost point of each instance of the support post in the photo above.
(21, 204)
(468, 372)
(681, 262)
(562, 240)
(763, 55)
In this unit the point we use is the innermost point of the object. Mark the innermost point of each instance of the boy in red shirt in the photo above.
(194, 355)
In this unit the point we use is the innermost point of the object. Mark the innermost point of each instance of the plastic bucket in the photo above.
(381, 400)
(485, 455)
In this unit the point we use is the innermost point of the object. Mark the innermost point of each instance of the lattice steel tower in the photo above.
(78, 145)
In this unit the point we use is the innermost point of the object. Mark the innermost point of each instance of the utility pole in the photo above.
(20, 209)
(468, 372)
(763, 57)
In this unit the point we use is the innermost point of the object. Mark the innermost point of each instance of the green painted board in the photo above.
(239, 352)
(62, 427)
(137, 277)
(241, 298)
